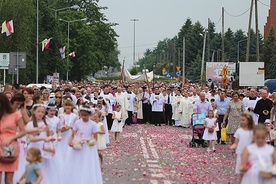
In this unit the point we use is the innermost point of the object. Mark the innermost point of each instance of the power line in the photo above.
(218, 21)
(263, 3)
(237, 15)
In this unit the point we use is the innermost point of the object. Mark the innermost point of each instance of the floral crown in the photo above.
(85, 108)
(39, 105)
(51, 107)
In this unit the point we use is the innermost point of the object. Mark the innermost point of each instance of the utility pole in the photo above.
(208, 41)
(222, 36)
(249, 30)
(257, 32)
(183, 64)
(173, 57)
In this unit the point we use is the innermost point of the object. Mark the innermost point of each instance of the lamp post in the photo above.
(60, 9)
(134, 20)
(68, 38)
(203, 57)
(37, 25)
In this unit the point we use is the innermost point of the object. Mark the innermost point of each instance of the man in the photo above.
(156, 101)
(250, 103)
(121, 99)
(194, 96)
(131, 97)
(222, 103)
(68, 93)
(201, 105)
(213, 95)
(109, 100)
(146, 106)
(177, 110)
(186, 110)
(169, 98)
(263, 107)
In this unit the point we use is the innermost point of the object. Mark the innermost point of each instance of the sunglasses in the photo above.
(58, 97)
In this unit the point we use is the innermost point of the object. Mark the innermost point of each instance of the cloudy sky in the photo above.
(159, 19)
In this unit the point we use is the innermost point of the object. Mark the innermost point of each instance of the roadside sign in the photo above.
(4, 60)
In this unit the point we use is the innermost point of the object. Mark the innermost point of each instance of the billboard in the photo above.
(213, 70)
(252, 74)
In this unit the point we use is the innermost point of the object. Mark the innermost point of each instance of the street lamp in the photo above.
(60, 9)
(134, 20)
(68, 38)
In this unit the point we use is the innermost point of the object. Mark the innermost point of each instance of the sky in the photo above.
(160, 19)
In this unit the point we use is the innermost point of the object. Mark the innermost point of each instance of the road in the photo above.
(149, 154)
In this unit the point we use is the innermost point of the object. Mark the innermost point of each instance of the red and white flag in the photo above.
(72, 54)
(9, 26)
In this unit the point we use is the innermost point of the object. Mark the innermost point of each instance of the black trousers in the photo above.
(220, 120)
(109, 121)
(146, 112)
(168, 114)
(157, 118)
(129, 120)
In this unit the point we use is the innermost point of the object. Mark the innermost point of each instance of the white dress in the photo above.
(245, 138)
(101, 144)
(83, 166)
(66, 120)
(117, 126)
(50, 164)
(207, 135)
(261, 160)
(106, 135)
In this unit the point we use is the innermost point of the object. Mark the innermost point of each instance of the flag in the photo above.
(45, 43)
(72, 54)
(9, 28)
(4, 27)
(62, 52)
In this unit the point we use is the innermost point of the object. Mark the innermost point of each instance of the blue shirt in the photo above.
(202, 107)
(31, 175)
(222, 105)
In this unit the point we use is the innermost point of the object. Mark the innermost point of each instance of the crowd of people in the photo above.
(45, 130)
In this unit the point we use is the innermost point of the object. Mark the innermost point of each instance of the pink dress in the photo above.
(8, 127)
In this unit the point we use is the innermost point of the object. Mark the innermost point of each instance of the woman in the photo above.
(28, 94)
(233, 111)
(45, 96)
(8, 94)
(58, 99)
(10, 121)
(38, 99)
(17, 102)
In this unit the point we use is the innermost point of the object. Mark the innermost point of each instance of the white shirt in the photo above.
(110, 102)
(245, 138)
(145, 95)
(156, 102)
(131, 99)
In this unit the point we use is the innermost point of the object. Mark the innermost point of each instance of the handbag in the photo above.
(9, 154)
(223, 134)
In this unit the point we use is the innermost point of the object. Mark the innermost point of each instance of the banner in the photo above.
(213, 70)
(252, 74)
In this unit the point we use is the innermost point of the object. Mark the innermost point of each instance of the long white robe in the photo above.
(123, 101)
(177, 110)
(187, 110)
(251, 103)
(140, 106)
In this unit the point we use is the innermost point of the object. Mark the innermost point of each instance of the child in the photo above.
(67, 120)
(33, 174)
(82, 164)
(257, 157)
(243, 137)
(209, 134)
(49, 165)
(101, 145)
(103, 108)
(117, 125)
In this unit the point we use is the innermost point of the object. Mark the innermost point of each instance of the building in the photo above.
(271, 18)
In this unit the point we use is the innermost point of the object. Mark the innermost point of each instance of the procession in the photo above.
(142, 92)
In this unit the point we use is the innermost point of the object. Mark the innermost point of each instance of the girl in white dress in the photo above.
(210, 134)
(82, 164)
(67, 120)
(243, 137)
(117, 125)
(258, 158)
(49, 165)
(101, 145)
(104, 111)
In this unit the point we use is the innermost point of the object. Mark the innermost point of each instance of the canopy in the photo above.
(146, 77)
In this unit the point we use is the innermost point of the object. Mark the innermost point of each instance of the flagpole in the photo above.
(37, 45)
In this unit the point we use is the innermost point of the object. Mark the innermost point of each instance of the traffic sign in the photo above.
(178, 73)
(4, 60)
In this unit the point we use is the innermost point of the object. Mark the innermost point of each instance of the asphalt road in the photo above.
(149, 154)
